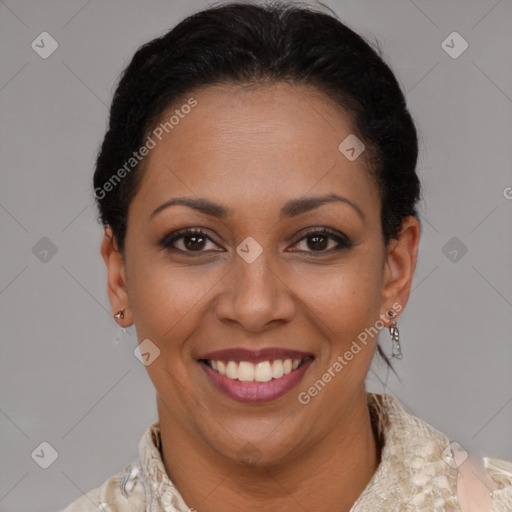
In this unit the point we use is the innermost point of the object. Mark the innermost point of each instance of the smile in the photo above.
(255, 376)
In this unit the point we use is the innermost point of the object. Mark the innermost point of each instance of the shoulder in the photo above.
(108, 497)
(428, 471)
(500, 472)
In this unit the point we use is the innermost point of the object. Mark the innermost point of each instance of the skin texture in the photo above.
(252, 149)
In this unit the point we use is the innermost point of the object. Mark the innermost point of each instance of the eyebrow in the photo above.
(292, 208)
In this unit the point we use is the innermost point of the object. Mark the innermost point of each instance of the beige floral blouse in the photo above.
(420, 470)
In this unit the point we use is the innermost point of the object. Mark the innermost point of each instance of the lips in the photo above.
(255, 376)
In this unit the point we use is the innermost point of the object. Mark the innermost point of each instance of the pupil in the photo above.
(195, 244)
(316, 244)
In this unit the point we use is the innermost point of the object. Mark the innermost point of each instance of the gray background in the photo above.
(68, 375)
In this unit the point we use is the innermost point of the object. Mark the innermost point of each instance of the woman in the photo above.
(258, 190)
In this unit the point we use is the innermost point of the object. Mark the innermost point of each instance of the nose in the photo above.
(255, 295)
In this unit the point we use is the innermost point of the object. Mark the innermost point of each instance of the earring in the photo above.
(119, 314)
(395, 337)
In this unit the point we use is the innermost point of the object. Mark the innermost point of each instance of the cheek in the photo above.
(166, 299)
(346, 313)
(345, 300)
(167, 303)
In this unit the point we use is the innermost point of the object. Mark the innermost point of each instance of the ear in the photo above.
(399, 266)
(116, 277)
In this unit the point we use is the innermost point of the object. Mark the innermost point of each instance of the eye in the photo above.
(318, 241)
(194, 240)
(190, 239)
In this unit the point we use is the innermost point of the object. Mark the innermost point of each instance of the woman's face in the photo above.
(259, 276)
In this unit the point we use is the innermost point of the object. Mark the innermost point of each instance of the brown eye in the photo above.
(319, 241)
(191, 240)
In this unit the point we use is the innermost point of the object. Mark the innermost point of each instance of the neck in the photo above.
(334, 471)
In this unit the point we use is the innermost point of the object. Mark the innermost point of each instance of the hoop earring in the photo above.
(119, 314)
(395, 337)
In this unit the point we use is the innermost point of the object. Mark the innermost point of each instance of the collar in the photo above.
(413, 473)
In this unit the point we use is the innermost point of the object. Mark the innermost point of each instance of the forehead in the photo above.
(244, 145)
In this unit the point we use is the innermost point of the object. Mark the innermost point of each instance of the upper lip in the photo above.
(254, 356)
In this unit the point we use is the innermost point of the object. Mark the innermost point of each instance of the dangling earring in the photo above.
(395, 337)
(119, 314)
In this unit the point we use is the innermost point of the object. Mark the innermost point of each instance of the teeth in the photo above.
(277, 369)
(263, 371)
(245, 371)
(232, 370)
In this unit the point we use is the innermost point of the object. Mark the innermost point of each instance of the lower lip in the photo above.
(254, 392)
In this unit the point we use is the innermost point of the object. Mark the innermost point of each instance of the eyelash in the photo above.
(342, 241)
